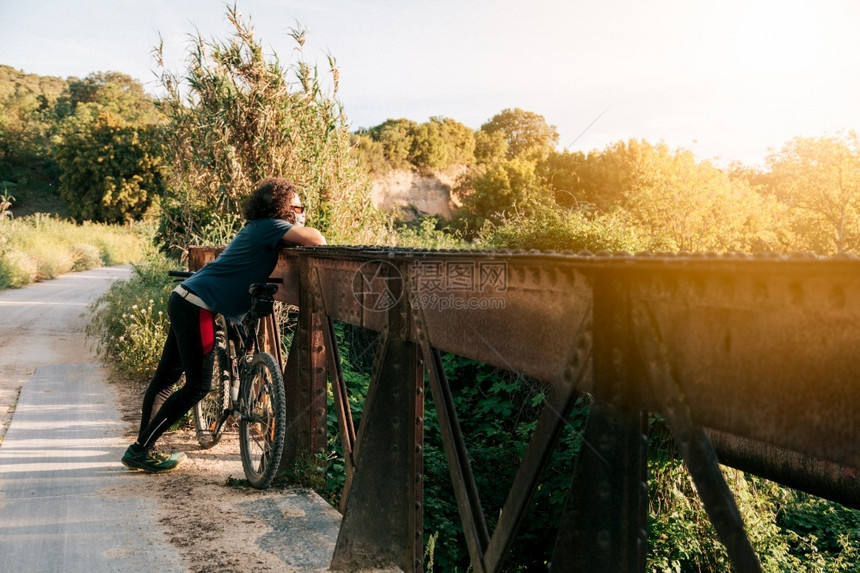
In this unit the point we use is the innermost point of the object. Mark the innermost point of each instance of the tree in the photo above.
(527, 134)
(562, 172)
(396, 137)
(492, 192)
(112, 170)
(675, 201)
(428, 146)
(115, 92)
(818, 179)
(428, 150)
(108, 148)
(458, 139)
(490, 147)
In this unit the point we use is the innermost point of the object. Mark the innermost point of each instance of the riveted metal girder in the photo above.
(764, 350)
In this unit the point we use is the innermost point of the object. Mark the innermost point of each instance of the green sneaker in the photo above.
(150, 460)
(177, 457)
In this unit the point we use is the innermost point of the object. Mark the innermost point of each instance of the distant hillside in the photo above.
(21, 85)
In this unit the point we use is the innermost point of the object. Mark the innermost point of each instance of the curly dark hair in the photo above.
(271, 200)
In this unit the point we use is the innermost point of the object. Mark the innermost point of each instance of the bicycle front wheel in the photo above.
(210, 411)
(263, 423)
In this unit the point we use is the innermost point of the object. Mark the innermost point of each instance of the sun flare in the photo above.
(774, 37)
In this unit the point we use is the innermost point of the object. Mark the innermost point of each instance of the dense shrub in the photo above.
(17, 269)
(108, 146)
(560, 230)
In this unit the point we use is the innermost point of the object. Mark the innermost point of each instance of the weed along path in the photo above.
(68, 505)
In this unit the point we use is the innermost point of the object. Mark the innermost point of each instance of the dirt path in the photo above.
(215, 524)
(218, 525)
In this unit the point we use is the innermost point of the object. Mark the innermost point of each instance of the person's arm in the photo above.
(304, 237)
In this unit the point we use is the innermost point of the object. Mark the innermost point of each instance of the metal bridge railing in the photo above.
(752, 361)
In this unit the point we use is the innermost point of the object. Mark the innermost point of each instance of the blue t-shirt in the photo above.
(249, 258)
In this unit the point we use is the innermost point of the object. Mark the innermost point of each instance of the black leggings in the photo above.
(189, 349)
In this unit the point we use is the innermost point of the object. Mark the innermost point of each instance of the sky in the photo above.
(730, 81)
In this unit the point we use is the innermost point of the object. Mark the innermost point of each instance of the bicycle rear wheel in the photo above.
(263, 423)
(209, 411)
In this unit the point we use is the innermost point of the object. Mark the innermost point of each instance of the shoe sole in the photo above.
(147, 469)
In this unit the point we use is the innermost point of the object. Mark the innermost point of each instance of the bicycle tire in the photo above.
(263, 423)
(208, 412)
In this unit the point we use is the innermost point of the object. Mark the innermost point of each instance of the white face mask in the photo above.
(300, 219)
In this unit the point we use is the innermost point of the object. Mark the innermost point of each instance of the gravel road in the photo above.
(44, 323)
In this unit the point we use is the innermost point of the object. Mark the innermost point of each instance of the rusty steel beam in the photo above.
(383, 517)
(557, 298)
(763, 349)
(605, 520)
(695, 448)
(824, 479)
(346, 426)
(604, 523)
(771, 323)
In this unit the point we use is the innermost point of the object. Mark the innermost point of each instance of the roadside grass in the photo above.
(41, 247)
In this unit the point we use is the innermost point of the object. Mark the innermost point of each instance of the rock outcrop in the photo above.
(416, 194)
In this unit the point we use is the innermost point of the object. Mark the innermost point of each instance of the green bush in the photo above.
(554, 229)
(426, 234)
(108, 147)
(112, 170)
(789, 530)
(86, 256)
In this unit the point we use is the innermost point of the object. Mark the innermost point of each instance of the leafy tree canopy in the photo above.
(396, 137)
(818, 180)
(112, 170)
(26, 104)
(526, 133)
(109, 148)
(108, 91)
(430, 146)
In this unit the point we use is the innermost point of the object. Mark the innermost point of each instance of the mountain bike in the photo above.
(247, 386)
